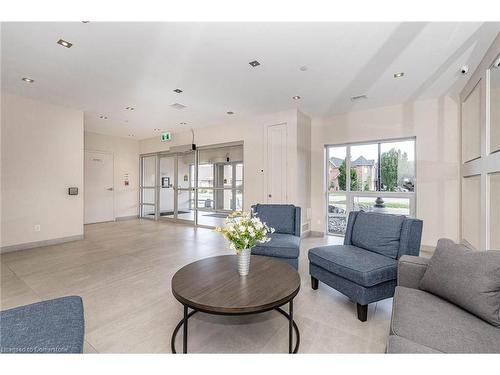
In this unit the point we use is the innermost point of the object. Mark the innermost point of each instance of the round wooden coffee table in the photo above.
(213, 286)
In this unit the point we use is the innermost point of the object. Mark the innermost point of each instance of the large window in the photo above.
(370, 176)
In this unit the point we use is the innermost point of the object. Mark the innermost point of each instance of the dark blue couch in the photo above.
(285, 241)
(365, 267)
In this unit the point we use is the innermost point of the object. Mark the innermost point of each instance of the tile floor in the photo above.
(122, 270)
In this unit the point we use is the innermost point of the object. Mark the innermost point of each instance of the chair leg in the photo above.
(314, 283)
(362, 312)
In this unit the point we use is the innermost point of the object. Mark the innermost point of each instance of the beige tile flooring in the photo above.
(122, 270)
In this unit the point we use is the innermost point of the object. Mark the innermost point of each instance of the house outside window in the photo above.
(381, 179)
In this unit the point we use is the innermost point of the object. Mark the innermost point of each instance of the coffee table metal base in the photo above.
(292, 326)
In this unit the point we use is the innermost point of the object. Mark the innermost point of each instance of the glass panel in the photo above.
(167, 168)
(471, 210)
(228, 176)
(494, 211)
(148, 171)
(185, 204)
(148, 195)
(206, 199)
(239, 200)
(397, 206)
(337, 214)
(364, 164)
(397, 166)
(205, 175)
(148, 211)
(210, 218)
(184, 163)
(239, 175)
(337, 168)
(494, 109)
(228, 200)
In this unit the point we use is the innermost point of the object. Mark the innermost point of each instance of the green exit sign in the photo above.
(166, 136)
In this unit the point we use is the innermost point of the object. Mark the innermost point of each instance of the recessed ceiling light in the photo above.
(183, 123)
(64, 43)
(28, 80)
(303, 68)
(85, 21)
(254, 63)
(397, 75)
(296, 97)
(230, 112)
(102, 117)
(178, 91)
(129, 108)
(358, 97)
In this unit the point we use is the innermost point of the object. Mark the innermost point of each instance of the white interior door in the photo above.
(99, 194)
(276, 164)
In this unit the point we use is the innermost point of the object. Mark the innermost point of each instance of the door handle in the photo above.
(110, 189)
(270, 196)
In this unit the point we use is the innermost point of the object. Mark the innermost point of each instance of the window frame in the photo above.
(350, 195)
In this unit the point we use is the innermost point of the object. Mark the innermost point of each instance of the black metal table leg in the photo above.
(290, 328)
(185, 331)
(184, 323)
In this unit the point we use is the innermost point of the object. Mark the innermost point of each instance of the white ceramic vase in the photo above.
(244, 261)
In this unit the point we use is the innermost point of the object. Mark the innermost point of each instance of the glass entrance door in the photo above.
(148, 187)
(176, 186)
(185, 186)
(199, 187)
(167, 191)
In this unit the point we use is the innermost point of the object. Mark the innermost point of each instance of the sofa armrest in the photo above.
(298, 217)
(411, 269)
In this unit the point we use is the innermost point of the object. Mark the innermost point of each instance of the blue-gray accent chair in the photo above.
(365, 267)
(53, 326)
(285, 241)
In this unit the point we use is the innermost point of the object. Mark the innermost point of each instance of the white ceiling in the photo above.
(115, 65)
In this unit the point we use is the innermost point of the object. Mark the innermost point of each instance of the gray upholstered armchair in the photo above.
(365, 267)
(285, 241)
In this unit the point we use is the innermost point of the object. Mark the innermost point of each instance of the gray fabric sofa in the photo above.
(53, 326)
(285, 241)
(365, 267)
(423, 322)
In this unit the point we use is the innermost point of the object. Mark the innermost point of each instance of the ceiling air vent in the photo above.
(177, 106)
(358, 97)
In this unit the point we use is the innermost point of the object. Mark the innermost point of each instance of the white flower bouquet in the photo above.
(243, 233)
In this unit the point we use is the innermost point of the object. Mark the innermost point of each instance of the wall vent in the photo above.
(177, 106)
(358, 97)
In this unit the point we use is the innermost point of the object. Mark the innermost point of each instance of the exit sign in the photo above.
(166, 136)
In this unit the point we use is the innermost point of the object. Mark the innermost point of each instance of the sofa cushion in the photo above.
(400, 345)
(377, 232)
(54, 326)
(469, 279)
(281, 217)
(431, 321)
(281, 245)
(363, 267)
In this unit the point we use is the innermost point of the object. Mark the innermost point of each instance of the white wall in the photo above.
(125, 161)
(434, 122)
(304, 167)
(42, 155)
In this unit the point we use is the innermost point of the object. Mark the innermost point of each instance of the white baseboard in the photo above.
(123, 218)
(31, 245)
